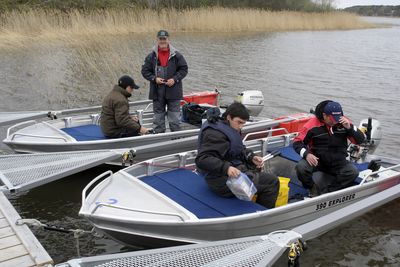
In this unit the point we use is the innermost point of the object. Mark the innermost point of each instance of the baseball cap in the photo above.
(334, 111)
(126, 81)
(162, 33)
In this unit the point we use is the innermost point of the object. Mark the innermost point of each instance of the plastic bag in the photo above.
(242, 187)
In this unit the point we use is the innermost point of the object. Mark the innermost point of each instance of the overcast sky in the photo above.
(347, 3)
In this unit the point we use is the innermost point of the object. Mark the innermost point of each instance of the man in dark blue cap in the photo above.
(115, 120)
(322, 143)
(165, 68)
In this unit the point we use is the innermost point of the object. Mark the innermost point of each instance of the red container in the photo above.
(293, 126)
(210, 98)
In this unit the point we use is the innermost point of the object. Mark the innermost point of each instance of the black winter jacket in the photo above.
(177, 69)
(327, 143)
(213, 157)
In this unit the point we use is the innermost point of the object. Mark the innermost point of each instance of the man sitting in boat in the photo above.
(221, 154)
(322, 144)
(115, 120)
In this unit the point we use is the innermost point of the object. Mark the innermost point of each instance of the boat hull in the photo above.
(155, 234)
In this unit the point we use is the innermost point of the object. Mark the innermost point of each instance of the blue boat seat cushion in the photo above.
(191, 191)
(89, 132)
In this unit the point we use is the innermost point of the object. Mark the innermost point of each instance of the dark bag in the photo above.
(193, 113)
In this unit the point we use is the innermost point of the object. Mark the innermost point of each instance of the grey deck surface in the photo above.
(18, 246)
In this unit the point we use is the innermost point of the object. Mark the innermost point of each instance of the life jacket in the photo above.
(236, 144)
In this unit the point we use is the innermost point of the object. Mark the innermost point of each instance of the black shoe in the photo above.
(314, 191)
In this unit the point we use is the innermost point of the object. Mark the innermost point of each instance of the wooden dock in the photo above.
(18, 246)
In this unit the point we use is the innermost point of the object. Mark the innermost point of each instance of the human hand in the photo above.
(143, 130)
(312, 160)
(233, 172)
(170, 82)
(160, 80)
(345, 122)
(258, 161)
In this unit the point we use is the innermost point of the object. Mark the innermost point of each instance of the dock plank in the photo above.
(12, 252)
(25, 261)
(6, 231)
(9, 241)
(4, 223)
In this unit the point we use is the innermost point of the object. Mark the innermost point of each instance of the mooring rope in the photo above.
(76, 232)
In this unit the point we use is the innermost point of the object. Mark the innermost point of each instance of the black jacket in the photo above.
(329, 144)
(177, 69)
(213, 157)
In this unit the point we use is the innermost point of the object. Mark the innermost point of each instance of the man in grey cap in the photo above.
(115, 120)
(165, 68)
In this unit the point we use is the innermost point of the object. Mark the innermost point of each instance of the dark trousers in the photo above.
(169, 107)
(267, 187)
(344, 175)
(124, 133)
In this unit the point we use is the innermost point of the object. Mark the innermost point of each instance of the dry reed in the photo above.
(19, 28)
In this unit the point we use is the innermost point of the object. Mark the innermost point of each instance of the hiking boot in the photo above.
(314, 191)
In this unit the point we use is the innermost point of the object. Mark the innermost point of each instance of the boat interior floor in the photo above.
(92, 132)
(190, 190)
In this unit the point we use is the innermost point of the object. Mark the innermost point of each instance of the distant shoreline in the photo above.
(375, 11)
(19, 28)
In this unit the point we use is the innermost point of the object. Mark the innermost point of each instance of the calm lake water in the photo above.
(295, 70)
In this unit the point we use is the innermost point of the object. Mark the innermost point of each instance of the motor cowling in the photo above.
(373, 131)
(253, 100)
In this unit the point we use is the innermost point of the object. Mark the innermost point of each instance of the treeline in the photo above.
(387, 11)
(297, 5)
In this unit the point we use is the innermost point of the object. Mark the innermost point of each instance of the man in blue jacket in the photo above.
(165, 68)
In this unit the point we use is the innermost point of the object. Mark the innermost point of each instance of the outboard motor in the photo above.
(253, 100)
(373, 132)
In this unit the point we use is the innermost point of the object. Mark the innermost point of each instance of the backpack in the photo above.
(193, 113)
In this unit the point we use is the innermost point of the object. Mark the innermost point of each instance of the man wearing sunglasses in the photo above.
(165, 68)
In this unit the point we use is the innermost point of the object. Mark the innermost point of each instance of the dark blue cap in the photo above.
(126, 81)
(334, 111)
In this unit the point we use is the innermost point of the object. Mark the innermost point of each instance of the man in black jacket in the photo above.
(165, 68)
(221, 154)
(323, 143)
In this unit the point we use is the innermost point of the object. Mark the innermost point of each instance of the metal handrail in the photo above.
(17, 125)
(101, 176)
(39, 136)
(265, 131)
(148, 106)
(136, 210)
(380, 171)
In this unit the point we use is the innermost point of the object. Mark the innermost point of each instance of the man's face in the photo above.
(129, 89)
(328, 120)
(163, 43)
(236, 123)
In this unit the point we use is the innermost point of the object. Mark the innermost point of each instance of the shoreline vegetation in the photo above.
(28, 26)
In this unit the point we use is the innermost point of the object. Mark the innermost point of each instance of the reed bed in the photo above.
(37, 25)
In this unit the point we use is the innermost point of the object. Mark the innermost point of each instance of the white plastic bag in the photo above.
(242, 187)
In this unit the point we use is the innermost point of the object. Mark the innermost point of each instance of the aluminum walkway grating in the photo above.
(25, 171)
(241, 252)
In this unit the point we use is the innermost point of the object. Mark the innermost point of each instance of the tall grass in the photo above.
(24, 27)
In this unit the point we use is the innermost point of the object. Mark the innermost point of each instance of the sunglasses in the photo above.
(162, 38)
